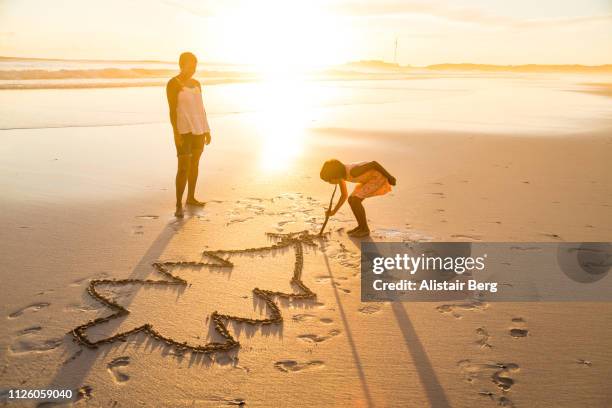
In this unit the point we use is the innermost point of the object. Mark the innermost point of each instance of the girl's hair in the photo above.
(186, 57)
(333, 169)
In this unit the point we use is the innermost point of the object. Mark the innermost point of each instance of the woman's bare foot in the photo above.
(193, 201)
(179, 212)
(360, 233)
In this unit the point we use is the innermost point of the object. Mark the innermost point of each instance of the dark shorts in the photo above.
(191, 144)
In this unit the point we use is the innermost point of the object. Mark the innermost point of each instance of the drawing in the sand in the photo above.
(296, 240)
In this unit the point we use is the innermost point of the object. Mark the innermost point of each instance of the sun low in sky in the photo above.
(302, 34)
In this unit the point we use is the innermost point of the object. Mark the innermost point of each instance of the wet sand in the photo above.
(91, 203)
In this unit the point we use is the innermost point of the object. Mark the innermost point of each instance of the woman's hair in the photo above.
(187, 57)
(333, 169)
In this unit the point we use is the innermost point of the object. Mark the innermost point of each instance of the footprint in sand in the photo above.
(322, 278)
(468, 306)
(312, 338)
(526, 248)
(238, 220)
(499, 374)
(287, 366)
(483, 341)
(369, 309)
(466, 237)
(29, 345)
(505, 402)
(224, 359)
(77, 307)
(341, 253)
(315, 338)
(303, 317)
(29, 330)
(502, 377)
(85, 392)
(501, 401)
(519, 328)
(35, 307)
(115, 369)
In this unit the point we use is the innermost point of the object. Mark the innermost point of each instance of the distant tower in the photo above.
(395, 52)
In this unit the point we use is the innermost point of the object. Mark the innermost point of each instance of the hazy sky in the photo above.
(312, 32)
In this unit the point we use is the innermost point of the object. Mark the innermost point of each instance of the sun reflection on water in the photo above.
(284, 112)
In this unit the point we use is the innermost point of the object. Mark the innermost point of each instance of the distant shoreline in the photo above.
(374, 64)
(39, 73)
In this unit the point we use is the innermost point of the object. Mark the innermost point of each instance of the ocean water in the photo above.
(499, 105)
(18, 73)
(46, 93)
(24, 64)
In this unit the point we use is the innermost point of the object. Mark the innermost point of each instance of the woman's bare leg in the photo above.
(194, 168)
(182, 173)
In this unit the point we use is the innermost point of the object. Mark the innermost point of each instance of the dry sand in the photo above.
(92, 203)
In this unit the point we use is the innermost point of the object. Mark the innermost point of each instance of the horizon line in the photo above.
(371, 61)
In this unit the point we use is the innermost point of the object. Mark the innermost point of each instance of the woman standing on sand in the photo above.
(190, 127)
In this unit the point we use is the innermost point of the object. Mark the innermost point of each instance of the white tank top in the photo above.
(190, 112)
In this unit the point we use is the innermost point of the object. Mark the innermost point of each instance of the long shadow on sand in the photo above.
(349, 335)
(429, 379)
(70, 375)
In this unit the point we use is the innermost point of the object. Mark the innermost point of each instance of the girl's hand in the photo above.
(329, 213)
(207, 138)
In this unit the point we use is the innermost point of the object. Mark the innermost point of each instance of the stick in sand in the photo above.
(331, 200)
